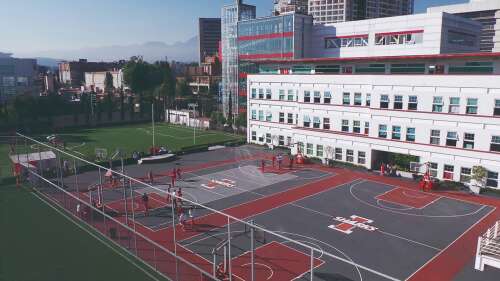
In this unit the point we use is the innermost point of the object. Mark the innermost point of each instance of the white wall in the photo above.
(483, 125)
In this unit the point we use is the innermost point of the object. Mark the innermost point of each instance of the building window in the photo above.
(309, 149)
(317, 97)
(254, 114)
(433, 169)
(492, 179)
(268, 138)
(435, 137)
(327, 98)
(338, 154)
(307, 96)
(300, 147)
(495, 144)
(350, 155)
(451, 139)
(384, 101)
(469, 141)
(368, 100)
(412, 103)
(356, 127)
(269, 116)
(496, 110)
(361, 157)
(254, 93)
(254, 135)
(282, 95)
(269, 94)
(398, 102)
(282, 117)
(288, 140)
(281, 140)
(326, 123)
(346, 98)
(316, 123)
(465, 174)
(261, 93)
(454, 105)
(448, 172)
(261, 138)
(290, 118)
(347, 69)
(357, 99)
(410, 134)
(319, 150)
(345, 125)
(291, 95)
(307, 121)
(367, 128)
(471, 106)
(402, 38)
(382, 131)
(437, 104)
(261, 115)
(396, 132)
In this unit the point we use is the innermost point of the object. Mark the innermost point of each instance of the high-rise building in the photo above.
(290, 6)
(231, 15)
(331, 11)
(487, 12)
(17, 77)
(209, 37)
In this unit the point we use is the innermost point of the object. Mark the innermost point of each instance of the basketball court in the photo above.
(295, 223)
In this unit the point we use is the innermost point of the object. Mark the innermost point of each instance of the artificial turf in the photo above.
(138, 137)
(39, 244)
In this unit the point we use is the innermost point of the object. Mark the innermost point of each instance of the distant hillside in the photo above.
(151, 51)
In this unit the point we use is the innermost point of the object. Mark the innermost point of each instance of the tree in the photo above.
(478, 178)
(241, 120)
(108, 83)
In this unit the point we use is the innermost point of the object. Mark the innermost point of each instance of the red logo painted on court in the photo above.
(213, 183)
(348, 225)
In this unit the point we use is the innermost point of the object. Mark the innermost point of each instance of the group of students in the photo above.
(174, 197)
(388, 170)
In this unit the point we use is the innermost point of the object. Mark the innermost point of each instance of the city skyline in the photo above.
(77, 26)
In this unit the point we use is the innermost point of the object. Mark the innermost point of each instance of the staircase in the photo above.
(488, 248)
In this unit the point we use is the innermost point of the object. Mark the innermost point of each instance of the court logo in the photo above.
(348, 225)
(213, 183)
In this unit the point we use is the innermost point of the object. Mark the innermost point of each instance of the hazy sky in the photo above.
(28, 26)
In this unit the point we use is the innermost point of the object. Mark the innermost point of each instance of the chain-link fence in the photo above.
(174, 235)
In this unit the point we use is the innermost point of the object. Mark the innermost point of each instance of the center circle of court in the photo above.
(352, 191)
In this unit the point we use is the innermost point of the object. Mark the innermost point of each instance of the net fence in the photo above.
(175, 235)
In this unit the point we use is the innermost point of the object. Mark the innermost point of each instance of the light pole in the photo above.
(192, 107)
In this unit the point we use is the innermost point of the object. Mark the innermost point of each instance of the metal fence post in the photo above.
(133, 217)
(312, 264)
(229, 249)
(175, 238)
(252, 252)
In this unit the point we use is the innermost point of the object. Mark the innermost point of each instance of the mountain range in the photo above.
(186, 51)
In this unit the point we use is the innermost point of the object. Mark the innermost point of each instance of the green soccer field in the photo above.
(138, 138)
(38, 243)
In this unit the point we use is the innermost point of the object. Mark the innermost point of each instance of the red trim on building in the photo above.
(389, 58)
(266, 56)
(266, 36)
(400, 32)
(242, 93)
(348, 36)
(243, 75)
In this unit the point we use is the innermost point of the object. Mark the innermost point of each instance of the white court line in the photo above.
(405, 207)
(411, 214)
(437, 197)
(99, 239)
(383, 232)
(449, 245)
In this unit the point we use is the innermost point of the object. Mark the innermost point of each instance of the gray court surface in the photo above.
(403, 241)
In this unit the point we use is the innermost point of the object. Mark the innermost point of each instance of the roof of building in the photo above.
(495, 55)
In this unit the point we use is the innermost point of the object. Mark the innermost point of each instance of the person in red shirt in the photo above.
(179, 173)
(145, 201)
